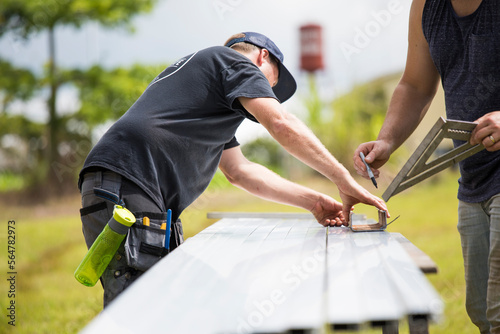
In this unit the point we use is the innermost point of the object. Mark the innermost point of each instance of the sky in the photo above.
(362, 40)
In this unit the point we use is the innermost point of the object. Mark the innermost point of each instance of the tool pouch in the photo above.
(145, 245)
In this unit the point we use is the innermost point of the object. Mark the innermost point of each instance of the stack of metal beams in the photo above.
(274, 275)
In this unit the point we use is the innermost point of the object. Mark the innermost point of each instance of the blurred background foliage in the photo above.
(44, 154)
(48, 154)
(341, 125)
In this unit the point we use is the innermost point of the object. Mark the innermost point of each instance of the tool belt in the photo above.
(145, 244)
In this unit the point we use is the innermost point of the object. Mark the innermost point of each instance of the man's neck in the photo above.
(465, 7)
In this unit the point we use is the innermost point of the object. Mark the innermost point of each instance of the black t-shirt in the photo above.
(171, 140)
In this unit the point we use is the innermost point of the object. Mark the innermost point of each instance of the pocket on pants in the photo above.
(145, 245)
(177, 235)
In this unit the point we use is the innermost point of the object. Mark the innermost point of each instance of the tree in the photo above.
(357, 118)
(15, 84)
(25, 17)
(353, 118)
(105, 95)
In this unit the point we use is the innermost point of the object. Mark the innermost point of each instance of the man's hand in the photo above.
(352, 193)
(376, 153)
(487, 131)
(328, 212)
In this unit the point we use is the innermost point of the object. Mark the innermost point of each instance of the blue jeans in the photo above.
(479, 228)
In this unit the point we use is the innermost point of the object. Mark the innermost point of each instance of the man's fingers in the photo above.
(370, 157)
(346, 211)
(334, 222)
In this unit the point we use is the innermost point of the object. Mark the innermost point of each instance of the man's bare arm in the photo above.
(300, 142)
(262, 182)
(410, 101)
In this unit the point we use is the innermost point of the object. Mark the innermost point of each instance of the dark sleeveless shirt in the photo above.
(466, 52)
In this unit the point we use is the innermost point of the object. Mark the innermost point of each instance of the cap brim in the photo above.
(286, 85)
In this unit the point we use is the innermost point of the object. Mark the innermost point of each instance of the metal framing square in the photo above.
(418, 167)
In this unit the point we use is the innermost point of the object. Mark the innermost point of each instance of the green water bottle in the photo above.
(104, 247)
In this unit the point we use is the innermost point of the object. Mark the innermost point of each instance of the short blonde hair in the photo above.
(241, 46)
(247, 47)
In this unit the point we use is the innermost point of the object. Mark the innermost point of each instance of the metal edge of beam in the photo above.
(263, 215)
(421, 259)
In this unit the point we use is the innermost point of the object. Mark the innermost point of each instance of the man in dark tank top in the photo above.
(457, 43)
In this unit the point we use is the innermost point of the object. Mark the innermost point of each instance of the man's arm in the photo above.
(300, 142)
(410, 101)
(262, 182)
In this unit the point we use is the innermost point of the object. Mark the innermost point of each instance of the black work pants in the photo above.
(95, 214)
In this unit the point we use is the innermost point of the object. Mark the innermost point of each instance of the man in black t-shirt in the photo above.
(163, 152)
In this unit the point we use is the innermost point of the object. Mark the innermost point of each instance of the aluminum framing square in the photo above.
(418, 167)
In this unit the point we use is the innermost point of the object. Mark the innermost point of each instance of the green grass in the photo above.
(48, 298)
(49, 247)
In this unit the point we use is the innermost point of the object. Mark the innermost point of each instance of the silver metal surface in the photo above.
(383, 283)
(418, 167)
(266, 215)
(254, 275)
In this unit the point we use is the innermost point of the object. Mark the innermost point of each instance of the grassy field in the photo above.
(49, 246)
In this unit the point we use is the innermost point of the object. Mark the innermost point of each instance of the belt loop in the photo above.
(119, 190)
(119, 182)
(98, 179)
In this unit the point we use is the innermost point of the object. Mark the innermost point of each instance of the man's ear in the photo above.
(263, 57)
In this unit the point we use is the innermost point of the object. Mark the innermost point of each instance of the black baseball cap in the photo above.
(286, 85)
